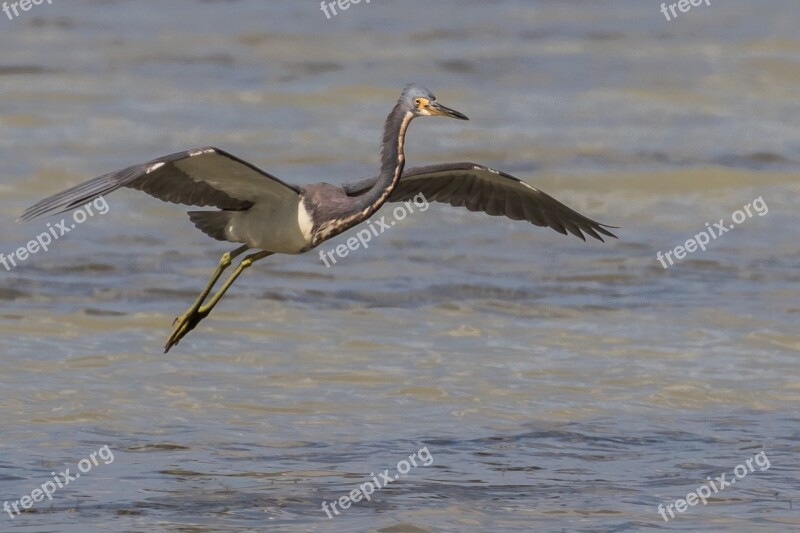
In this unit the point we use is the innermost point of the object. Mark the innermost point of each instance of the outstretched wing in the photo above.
(480, 188)
(202, 177)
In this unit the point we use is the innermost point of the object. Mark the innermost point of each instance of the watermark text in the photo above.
(365, 490)
(713, 232)
(343, 5)
(718, 484)
(373, 230)
(54, 232)
(22, 5)
(60, 480)
(683, 6)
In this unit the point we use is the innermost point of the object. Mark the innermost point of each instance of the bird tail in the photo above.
(212, 223)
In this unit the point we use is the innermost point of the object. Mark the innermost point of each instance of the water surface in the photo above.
(558, 385)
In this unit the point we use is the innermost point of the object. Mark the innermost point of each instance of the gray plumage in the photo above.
(262, 212)
(476, 187)
(480, 188)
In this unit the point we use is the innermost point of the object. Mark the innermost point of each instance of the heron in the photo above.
(262, 212)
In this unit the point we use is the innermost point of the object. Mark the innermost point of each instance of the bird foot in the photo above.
(183, 325)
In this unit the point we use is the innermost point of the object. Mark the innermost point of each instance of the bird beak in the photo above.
(438, 109)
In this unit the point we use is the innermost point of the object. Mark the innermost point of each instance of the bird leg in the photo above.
(197, 312)
(188, 320)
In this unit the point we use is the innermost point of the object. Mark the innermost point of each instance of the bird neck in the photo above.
(335, 219)
(392, 159)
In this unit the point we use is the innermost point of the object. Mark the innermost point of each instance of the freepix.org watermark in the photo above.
(60, 480)
(343, 5)
(22, 5)
(365, 490)
(374, 229)
(42, 243)
(713, 232)
(718, 484)
(683, 6)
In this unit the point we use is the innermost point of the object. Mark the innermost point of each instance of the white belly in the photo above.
(280, 227)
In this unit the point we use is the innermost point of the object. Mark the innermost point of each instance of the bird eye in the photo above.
(417, 102)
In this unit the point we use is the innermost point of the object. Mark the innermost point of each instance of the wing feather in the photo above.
(204, 177)
(442, 190)
(472, 199)
(480, 188)
(495, 202)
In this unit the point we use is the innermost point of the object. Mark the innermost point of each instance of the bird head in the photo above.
(422, 103)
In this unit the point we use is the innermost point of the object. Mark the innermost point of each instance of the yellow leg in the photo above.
(197, 312)
(224, 262)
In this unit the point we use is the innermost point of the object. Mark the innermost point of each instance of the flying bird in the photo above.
(264, 213)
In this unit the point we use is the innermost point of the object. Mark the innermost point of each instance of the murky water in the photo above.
(557, 385)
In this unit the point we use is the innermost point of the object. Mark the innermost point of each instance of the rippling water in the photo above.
(558, 385)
